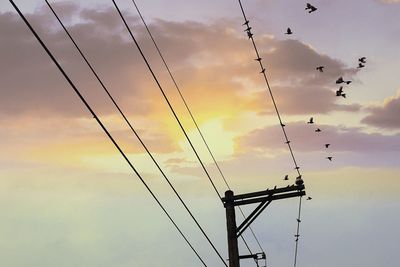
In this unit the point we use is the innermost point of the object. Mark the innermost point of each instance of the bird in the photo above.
(320, 68)
(340, 91)
(283, 125)
(329, 158)
(274, 187)
(339, 80)
(309, 198)
(286, 177)
(289, 31)
(258, 59)
(347, 82)
(298, 220)
(343, 95)
(318, 130)
(310, 8)
(362, 60)
(263, 70)
(327, 145)
(311, 121)
(249, 34)
(360, 66)
(287, 142)
(246, 23)
(297, 167)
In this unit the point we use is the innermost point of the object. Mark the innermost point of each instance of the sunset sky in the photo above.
(68, 198)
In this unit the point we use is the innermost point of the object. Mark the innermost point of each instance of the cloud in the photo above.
(212, 60)
(304, 139)
(386, 115)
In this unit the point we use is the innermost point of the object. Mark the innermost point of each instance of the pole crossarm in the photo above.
(257, 211)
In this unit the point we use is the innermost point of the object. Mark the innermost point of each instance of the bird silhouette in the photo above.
(318, 130)
(329, 158)
(274, 187)
(339, 80)
(263, 70)
(360, 66)
(327, 145)
(298, 220)
(347, 82)
(286, 177)
(310, 8)
(289, 31)
(343, 95)
(320, 68)
(249, 34)
(296, 168)
(340, 91)
(287, 142)
(311, 121)
(362, 60)
(258, 59)
(283, 125)
(309, 198)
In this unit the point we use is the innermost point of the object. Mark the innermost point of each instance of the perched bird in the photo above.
(360, 66)
(298, 220)
(339, 80)
(318, 130)
(286, 177)
(311, 121)
(310, 8)
(263, 70)
(246, 23)
(283, 125)
(287, 142)
(309, 198)
(288, 31)
(320, 68)
(327, 145)
(249, 34)
(297, 167)
(329, 158)
(362, 60)
(274, 187)
(258, 59)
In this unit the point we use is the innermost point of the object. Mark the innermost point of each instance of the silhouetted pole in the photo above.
(233, 249)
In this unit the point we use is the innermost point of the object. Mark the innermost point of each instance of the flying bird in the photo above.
(362, 60)
(318, 130)
(339, 80)
(288, 31)
(340, 91)
(360, 66)
(311, 121)
(309, 198)
(310, 8)
(327, 145)
(347, 82)
(329, 158)
(286, 177)
(320, 68)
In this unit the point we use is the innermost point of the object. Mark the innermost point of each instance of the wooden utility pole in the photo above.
(264, 198)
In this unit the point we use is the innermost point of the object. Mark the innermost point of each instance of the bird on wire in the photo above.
(310, 8)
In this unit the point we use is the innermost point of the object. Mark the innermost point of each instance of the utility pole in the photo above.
(264, 198)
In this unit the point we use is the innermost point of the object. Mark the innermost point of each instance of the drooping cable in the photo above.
(135, 132)
(193, 119)
(166, 98)
(81, 97)
(282, 125)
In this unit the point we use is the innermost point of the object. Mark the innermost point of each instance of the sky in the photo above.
(68, 198)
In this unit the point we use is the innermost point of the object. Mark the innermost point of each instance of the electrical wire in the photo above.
(193, 119)
(166, 98)
(135, 133)
(287, 141)
(81, 97)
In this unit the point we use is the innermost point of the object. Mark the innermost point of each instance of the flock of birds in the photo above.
(340, 81)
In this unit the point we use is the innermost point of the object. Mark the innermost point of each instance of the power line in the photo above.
(287, 141)
(135, 133)
(104, 128)
(166, 98)
(193, 119)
